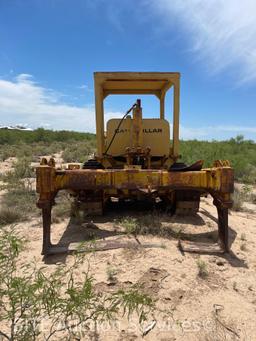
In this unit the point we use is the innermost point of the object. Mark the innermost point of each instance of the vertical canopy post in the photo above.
(176, 112)
(99, 118)
(162, 101)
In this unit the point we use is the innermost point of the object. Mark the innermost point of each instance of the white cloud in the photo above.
(222, 33)
(23, 100)
(85, 87)
(217, 132)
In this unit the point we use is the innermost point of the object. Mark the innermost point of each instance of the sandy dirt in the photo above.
(170, 276)
(221, 306)
(7, 165)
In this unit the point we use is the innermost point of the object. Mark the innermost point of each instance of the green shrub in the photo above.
(9, 215)
(7, 151)
(62, 208)
(151, 224)
(12, 137)
(22, 198)
(30, 297)
(21, 170)
(241, 154)
(78, 152)
(147, 224)
(111, 274)
(202, 268)
(249, 175)
(77, 146)
(238, 200)
(18, 204)
(19, 201)
(129, 224)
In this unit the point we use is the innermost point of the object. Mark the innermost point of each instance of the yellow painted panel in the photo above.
(134, 84)
(132, 179)
(156, 135)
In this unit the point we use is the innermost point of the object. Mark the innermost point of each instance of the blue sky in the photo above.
(49, 50)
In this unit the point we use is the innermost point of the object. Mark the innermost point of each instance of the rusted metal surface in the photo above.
(46, 213)
(100, 246)
(227, 183)
(223, 227)
(218, 181)
(202, 248)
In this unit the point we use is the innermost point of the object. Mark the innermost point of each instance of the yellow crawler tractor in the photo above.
(136, 158)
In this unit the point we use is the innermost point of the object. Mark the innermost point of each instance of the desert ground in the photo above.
(198, 296)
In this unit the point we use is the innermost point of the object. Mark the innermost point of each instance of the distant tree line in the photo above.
(240, 152)
(76, 146)
(41, 135)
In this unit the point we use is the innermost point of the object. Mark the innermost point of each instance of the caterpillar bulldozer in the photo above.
(136, 159)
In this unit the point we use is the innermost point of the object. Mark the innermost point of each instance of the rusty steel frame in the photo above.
(217, 181)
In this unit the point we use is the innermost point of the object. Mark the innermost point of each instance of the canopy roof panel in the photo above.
(135, 82)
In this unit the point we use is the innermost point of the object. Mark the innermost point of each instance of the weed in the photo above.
(220, 330)
(240, 152)
(238, 200)
(248, 194)
(129, 224)
(21, 170)
(250, 174)
(62, 208)
(202, 268)
(4, 155)
(77, 152)
(9, 216)
(32, 296)
(111, 274)
(7, 151)
(148, 224)
(19, 200)
(17, 203)
(132, 251)
(246, 190)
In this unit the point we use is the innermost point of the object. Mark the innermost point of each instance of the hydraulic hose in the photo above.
(119, 125)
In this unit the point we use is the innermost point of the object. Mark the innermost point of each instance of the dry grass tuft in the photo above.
(238, 199)
(62, 208)
(148, 224)
(202, 269)
(111, 274)
(19, 200)
(9, 216)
